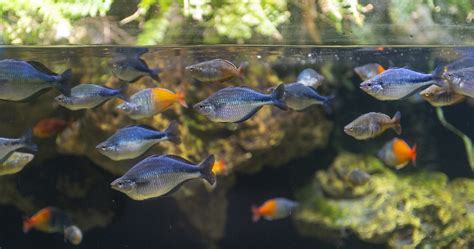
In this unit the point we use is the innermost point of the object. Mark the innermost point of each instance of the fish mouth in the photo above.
(114, 184)
(364, 87)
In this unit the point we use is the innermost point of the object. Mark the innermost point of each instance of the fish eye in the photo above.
(120, 184)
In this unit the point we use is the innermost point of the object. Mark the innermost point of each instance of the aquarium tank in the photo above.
(227, 124)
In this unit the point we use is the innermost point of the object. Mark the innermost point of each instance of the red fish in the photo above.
(49, 127)
(49, 220)
(273, 209)
(397, 153)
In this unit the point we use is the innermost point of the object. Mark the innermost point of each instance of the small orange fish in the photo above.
(273, 209)
(219, 167)
(151, 101)
(49, 127)
(397, 153)
(48, 219)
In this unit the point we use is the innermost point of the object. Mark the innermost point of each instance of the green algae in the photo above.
(417, 210)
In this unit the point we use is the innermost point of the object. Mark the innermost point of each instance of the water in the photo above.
(274, 154)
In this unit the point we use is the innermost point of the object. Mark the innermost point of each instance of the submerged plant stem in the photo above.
(467, 141)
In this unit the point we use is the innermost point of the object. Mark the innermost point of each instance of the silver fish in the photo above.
(237, 104)
(15, 163)
(461, 81)
(128, 66)
(73, 234)
(8, 145)
(214, 70)
(86, 96)
(439, 96)
(373, 124)
(20, 80)
(160, 175)
(397, 83)
(299, 97)
(133, 141)
(310, 77)
(368, 71)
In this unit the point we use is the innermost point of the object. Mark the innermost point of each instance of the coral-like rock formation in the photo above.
(392, 208)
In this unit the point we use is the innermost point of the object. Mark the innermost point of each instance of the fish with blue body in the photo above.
(20, 80)
(237, 104)
(15, 162)
(151, 101)
(161, 175)
(128, 66)
(309, 77)
(132, 141)
(86, 96)
(216, 70)
(8, 145)
(397, 83)
(299, 97)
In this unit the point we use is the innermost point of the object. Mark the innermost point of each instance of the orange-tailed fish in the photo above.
(49, 220)
(273, 209)
(8, 145)
(397, 153)
(214, 70)
(151, 101)
(48, 127)
(20, 80)
(373, 124)
(161, 175)
(219, 167)
(368, 71)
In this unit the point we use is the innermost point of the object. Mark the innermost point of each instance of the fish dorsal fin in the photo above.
(40, 67)
(142, 126)
(228, 62)
(248, 88)
(180, 159)
(149, 158)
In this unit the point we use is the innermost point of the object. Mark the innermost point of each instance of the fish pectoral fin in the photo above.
(250, 114)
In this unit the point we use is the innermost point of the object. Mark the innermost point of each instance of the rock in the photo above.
(395, 209)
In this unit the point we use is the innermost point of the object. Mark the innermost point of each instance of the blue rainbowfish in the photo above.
(20, 80)
(310, 77)
(461, 81)
(397, 83)
(160, 175)
(274, 209)
(237, 104)
(128, 66)
(86, 96)
(132, 141)
(299, 97)
(8, 145)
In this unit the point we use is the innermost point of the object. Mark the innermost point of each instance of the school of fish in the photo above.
(162, 175)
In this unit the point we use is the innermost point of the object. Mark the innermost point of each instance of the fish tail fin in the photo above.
(327, 103)
(27, 139)
(240, 71)
(173, 132)
(413, 155)
(63, 82)
(438, 77)
(206, 169)
(155, 74)
(396, 122)
(255, 214)
(277, 97)
(181, 98)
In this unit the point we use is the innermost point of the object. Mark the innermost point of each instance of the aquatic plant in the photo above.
(420, 209)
